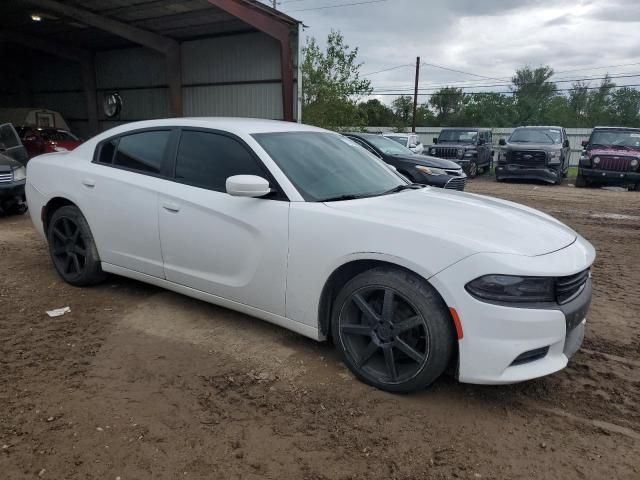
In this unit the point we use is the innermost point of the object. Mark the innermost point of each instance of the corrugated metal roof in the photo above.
(178, 19)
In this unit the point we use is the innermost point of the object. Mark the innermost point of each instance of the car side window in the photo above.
(107, 151)
(142, 151)
(207, 159)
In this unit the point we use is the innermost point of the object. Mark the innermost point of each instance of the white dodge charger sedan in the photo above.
(301, 227)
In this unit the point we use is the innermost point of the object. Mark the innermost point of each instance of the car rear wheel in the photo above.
(472, 169)
(580, 181)
(72, 248)
(392, 330)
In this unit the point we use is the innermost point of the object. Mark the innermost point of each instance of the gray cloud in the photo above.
(490, 37)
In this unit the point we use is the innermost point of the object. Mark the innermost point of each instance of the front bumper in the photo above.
(13, 190)
(609, 177)
(494, 336)
(451, 182)
(543, 173)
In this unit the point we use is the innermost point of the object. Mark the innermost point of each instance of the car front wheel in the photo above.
(72, 248)
(472, 169)
(393, 330)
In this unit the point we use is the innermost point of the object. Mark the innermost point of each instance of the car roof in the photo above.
(540, 126)
(631, 129)
(466, 129)
(395, 134)
(229, 124)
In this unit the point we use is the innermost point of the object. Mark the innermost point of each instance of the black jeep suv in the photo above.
(471, 148)
(534, 153)
(611, 157)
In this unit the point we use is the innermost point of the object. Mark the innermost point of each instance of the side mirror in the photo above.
(565, 144)
(435, 140)
(585, 143)
(480, 141)
(413, 145)
(247, 186)
(502, 142)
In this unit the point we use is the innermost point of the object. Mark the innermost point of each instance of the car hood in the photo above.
(7, 163)
(466, 146)
(556, 147)
(618, 152)
(428, 161)
(476, 222)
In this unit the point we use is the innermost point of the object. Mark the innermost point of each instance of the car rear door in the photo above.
(11, 145)
(120, 198)
(232, 247)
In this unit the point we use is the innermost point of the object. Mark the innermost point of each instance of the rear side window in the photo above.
(142, 151)
(8, 137)
(107, 150)
(208, 159)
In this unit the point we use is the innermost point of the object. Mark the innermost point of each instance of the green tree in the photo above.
(375, 113)
(489, 109)
(403, 109)
(532, 93)
(449, 103)
(332, 84)
(625, 106)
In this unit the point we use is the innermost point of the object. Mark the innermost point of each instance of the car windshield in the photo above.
(616, 138)
(458, 136)
(387, 146)
(401, 140)
(536, 135)
(325, 166)
(51, 135)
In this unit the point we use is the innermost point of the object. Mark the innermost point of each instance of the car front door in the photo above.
(11, 145)
(232, 247)
(121, 199)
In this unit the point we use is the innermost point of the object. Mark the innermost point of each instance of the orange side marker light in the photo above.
(456, 322)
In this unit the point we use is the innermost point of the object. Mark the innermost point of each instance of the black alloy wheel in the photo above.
(72, 248)
(392, 330)
(473, 169)
(68, 248)
(386, 335)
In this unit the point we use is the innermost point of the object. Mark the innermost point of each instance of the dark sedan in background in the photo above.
(534, 153)
(436, 172)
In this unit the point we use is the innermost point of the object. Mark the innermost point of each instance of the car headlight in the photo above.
(432, 151)
(502, 157)
(60, 149)
(554, 158)
(512, 288)
(431, 170)
(634, 162)
(595, 160)
(460, 152)
(19, 173)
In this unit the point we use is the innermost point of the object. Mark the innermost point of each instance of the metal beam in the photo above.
(262, 20)
(124, 30)
(165, 45)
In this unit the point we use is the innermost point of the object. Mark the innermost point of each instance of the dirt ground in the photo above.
(138, 383)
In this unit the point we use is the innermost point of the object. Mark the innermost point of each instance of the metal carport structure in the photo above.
(163, 57)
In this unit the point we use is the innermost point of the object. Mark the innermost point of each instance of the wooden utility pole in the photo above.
(415, 96)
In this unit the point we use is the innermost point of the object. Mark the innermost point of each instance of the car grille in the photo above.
(6, 177)
(446, 152)
(615, 164)
(567, 288)
(456, 183)
(533, 158)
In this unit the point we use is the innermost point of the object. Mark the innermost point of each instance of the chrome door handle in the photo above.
(170, 206)
(87, 182)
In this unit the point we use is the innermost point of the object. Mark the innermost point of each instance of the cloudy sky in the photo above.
(489, 38)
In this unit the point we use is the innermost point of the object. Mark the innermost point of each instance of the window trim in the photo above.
(278, 192)
(165, 156)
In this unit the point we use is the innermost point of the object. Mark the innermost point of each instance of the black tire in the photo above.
(559, 175)
(472, 169)
(72, 248)
(636, 187)
(580, 181)
(404, 341)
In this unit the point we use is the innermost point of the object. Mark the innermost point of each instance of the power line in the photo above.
(388, 69)
(337, 6)
(460, 71)
(509, 92)
(382, 89)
